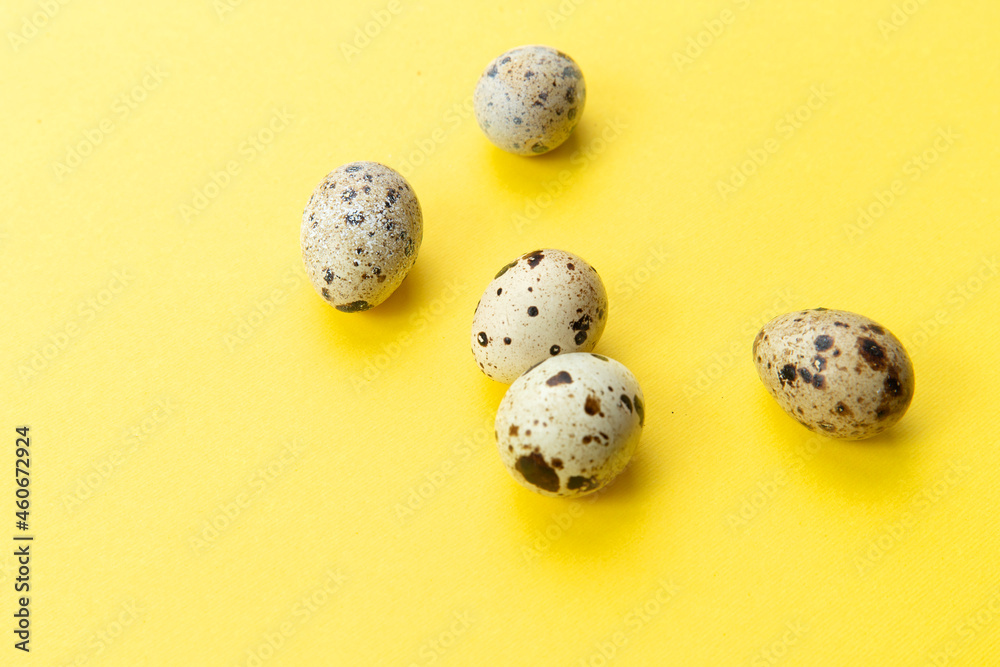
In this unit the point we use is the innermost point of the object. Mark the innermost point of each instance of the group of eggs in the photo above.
(571, 420)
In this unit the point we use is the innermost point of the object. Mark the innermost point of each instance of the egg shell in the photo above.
(835, 372)
(544, 303)
(529, 99)
(569, 425)
(361, 231)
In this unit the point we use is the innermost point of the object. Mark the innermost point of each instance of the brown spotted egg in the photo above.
(529, 99)
(569, 425)
(360, 234)
(544, 303)
(835, 372)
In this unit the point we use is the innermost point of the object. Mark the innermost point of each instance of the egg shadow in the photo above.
(528, 174)
(602, 516)
(584, 529)
(629, 483)
(491, 391)
(403, 299)
(561, 153)
(869, 469)
(371, 329)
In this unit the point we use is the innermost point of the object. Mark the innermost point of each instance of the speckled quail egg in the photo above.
(360, 234)
(544, 303)
(836, 372)
(569, 425)
(529, 99)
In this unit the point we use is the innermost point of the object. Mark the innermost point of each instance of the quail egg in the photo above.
(835, 372)
(544, 303)
(570, 425)
(529, 99)
(361, 231)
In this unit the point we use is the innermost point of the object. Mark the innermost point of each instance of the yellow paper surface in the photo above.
(227, 471)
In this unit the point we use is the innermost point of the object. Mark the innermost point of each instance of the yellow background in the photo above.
(223, 464)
